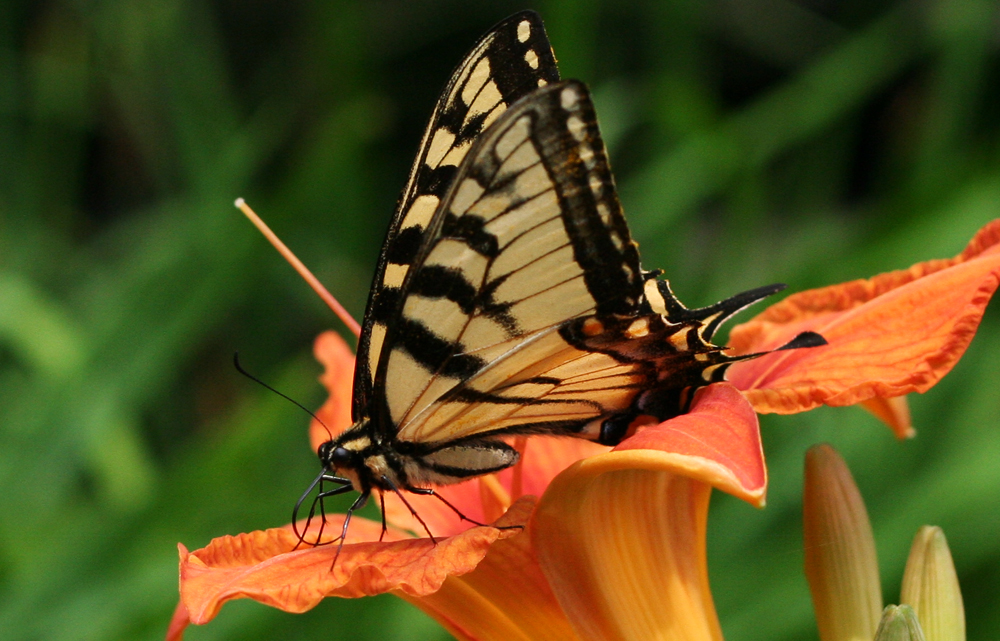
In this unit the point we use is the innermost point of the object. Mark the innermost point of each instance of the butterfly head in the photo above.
(354, 455)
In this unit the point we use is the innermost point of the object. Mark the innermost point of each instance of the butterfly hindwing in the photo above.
(529, 237)
(511, 60)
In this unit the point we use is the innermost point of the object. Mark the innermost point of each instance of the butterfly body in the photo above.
(509, 298)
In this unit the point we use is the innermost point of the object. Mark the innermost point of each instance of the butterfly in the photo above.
(508, 297)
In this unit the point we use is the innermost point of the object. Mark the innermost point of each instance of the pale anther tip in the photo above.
(239, 203)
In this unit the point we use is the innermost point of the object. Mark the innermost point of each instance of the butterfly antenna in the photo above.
(299, 267)
(239, 368)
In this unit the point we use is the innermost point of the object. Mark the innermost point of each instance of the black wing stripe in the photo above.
(450, 283)
(471, 230)
(406, 247)
(435, 354)
(436, 181)
(594, 219)
(621, 382)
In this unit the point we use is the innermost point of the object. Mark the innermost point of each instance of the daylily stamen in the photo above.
(299, 267)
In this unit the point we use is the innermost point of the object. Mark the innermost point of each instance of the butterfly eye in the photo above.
(334, 456)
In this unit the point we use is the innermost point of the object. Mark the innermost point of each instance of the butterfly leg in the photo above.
(312, 512)
(322, 510)
(298, 504)
(358, 504)
(426, 491)
(381, 500)
(392, 486)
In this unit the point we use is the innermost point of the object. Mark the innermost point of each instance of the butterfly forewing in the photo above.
(529, 236)
(509, 62)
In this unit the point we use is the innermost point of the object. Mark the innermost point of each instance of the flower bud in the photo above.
(840, 560)
(930, 587)
(899, 623)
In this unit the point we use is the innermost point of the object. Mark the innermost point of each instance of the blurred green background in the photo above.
(754, 141)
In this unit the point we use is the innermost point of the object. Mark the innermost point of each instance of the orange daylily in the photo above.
(466, 581)
(614, 540)
(890, 335)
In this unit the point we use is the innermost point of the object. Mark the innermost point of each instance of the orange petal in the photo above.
(178, 623)
(622, 545)
(621, 536)
(717, 442)
(338, 378)
(506, 598)
(264, 565)
(542, 458)
(896, 333)
(894, 412)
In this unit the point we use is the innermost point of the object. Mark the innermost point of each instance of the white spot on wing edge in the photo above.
(577, 127)
(596, 186)
(531, 58)
(523, 31)
(568, 98)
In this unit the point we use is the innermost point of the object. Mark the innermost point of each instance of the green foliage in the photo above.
(754, 141)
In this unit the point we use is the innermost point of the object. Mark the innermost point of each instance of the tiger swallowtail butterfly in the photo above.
(508, 297)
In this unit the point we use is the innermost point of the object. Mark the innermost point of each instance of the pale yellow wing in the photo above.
(529, 237)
